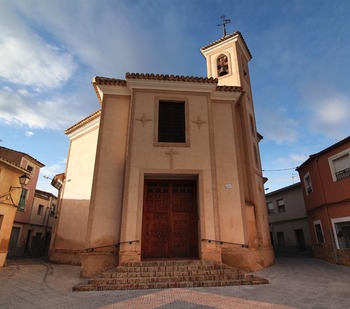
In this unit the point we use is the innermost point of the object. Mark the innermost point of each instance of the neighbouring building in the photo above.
(169, 167)
(325, 180)
(40, 223)
(289, 228)
(10, 192)
(20, 229)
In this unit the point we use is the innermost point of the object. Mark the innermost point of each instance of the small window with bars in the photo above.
(342, 234)
(171, 122)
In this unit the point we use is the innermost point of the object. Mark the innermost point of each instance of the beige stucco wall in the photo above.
(229, 199)
(72, 217)
(221, 152)
(149, 159)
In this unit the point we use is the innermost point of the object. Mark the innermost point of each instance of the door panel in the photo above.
(169, 227)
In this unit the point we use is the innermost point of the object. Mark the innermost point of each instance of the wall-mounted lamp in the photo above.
(24, 179)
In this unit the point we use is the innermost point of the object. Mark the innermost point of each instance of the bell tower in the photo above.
(227, 60)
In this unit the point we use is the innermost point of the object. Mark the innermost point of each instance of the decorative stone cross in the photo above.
(143, 119)
(199, 122)
(171, 153)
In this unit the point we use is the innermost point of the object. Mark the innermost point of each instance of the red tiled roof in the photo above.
(83, 121)
(229, 88)
(224, 38)
(12, 164)
(15, 156)
(99, 80)
(175, 78)
(47, 195)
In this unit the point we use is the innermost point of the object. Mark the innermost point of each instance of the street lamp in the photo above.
(24, 179)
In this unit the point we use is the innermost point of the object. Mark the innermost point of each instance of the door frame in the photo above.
(173, 178)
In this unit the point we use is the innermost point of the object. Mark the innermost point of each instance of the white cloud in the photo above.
(54, 169)
(35, 112)
(29, 133)
(327, 110)
(278, 127)
(31, 62)
(291, 160)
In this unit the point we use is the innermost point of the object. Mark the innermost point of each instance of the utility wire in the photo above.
(280, 170)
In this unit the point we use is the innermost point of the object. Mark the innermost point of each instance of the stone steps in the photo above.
(169, 274)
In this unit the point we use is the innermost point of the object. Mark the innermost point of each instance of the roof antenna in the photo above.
(224, 23)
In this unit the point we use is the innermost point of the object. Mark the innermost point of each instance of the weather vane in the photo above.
(224, 23)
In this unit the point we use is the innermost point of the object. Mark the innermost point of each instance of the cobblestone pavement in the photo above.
(294, 283)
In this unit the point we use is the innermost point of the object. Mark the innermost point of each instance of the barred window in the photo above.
(171, 122)
(342, 230)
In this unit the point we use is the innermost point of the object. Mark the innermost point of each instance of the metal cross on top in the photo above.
(224, 23)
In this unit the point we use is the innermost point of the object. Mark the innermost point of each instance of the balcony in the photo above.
(343, 174)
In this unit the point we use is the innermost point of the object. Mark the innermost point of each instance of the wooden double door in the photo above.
(169, 223)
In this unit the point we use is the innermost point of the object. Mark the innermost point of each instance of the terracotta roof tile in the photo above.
(6, 161)
(99, 80)
(15, 156)
(229, 88)
(224, 38)
(175, 78)
(83, 121)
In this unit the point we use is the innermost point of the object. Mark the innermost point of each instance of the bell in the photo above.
(222, 71)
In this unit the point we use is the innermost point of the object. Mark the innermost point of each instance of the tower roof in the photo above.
(223, 39)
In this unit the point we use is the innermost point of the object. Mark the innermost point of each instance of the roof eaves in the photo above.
(167, 77)
(12, 164)
(224, 38)
(316, 155)
(106, 81)
(295, 185)
(83, 122)
(23, 154)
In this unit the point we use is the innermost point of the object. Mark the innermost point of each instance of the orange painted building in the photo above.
(325, 180)
(20, 230)
(10, 191)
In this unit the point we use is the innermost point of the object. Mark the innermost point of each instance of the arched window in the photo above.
(222, 65)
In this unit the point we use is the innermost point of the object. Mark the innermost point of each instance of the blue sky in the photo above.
(50, 51)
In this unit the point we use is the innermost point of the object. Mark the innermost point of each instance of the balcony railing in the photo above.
(343, 174)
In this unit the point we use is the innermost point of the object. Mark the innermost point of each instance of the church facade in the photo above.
(168, 168)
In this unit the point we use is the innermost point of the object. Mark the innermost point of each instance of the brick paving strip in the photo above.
(170, 297)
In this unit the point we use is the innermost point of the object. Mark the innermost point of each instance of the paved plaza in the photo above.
(294, 283)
